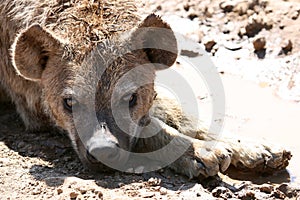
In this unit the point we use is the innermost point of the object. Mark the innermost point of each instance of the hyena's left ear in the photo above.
(158, 40)
(31, 51)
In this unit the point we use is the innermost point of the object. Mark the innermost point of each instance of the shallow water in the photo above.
(253, 112)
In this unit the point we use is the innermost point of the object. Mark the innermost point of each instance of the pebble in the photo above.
(248, 196)
(59, 191)
(83, 190)
(278, 194)
(227, 6)
(288, 191)
(99, 193)
(266, 188)
(163, 191)
(222, 192)
(186, 7)
(281, 26)
(253, 28)
(209, 11)
(255, 24)
(295, 15)
(241, 8)
(154, 181)
(36, 191)
(259, 44)
(287, 46)
(209, 45)
(193, 16)
(73, 195)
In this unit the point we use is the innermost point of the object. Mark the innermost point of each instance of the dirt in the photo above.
(254, 41)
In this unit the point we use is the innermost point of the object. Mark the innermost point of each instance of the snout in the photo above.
(106, 152)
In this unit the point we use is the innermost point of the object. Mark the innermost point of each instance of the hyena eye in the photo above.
(132, 100)
(69, 103)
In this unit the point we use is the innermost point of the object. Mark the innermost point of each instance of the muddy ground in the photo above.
(235, 33)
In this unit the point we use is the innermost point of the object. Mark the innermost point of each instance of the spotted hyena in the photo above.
(65, 64)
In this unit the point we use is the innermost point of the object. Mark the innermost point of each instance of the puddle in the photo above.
(254, 112)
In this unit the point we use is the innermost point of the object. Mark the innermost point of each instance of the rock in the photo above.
(281, 26)
(154, 181)
(209, 11)
(209, 44)
(266, 188)
(227, 6)
(99, 193)
(222, 192)
(59, 191)
(259, 44)
(159, 7)
(83, 189)
(256, 24)
(295, 15)
(192, 16)
(253, 28)
(246, 195)
(250, 12)
(36, 191)
(278, 194)
(73, 195)
(241, 8)
(287, 190)
(287, 46)
(242, 32)
(186, 7)
(163, 191)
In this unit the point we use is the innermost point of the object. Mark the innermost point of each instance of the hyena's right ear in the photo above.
(158, 41)
(31, 51)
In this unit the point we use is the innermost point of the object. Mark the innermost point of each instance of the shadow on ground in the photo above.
(55, 149)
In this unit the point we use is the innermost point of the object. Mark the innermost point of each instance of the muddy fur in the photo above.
(49, 46)
(81, 23)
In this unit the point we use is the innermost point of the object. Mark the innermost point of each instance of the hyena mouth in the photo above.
(102, 149)
(108, 154)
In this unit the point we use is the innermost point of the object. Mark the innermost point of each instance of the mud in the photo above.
(262, 95)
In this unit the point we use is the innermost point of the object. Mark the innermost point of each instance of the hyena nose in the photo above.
(107, 153)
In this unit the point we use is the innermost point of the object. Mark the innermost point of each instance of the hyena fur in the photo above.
(50, 48)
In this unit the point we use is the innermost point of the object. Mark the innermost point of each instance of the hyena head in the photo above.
(102, 101)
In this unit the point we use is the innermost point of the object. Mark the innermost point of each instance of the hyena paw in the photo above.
(261, 158)
(205, 158)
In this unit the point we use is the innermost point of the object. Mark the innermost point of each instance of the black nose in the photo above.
(106, 152)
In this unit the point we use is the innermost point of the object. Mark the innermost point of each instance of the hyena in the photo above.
(62, 56)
